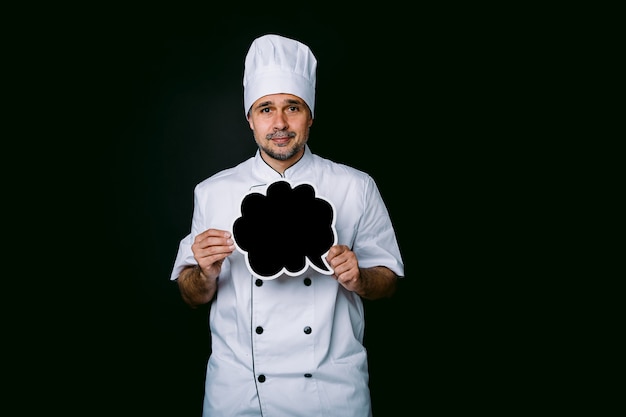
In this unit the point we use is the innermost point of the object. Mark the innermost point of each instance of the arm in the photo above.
(195, 287)
(370, 283)
(198, 284)
(377, 282)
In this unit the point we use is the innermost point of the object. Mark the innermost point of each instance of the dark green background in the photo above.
(174, 104)
(152, 102)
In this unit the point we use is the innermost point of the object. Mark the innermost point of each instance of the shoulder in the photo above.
(343, 173)
(225, 177)
(338, 168)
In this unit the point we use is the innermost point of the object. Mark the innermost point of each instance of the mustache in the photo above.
(280, 134)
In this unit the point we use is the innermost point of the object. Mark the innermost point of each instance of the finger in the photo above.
(215, 247)
(341, 268)
(211, 233)
(345, 256)
(335, 251)
(213, 257)
(213, 237)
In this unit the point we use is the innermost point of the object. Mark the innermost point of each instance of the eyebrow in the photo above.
(293, 101)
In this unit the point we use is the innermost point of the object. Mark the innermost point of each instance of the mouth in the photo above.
(280, 138)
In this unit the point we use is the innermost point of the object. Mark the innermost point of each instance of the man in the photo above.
(290, 344)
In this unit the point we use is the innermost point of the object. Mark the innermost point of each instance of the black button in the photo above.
(261, 378)
(259, 330)
(307, 330)
(258, 282)
(308, 375)
(307, 281)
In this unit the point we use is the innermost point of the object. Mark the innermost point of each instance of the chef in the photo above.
(289, 343)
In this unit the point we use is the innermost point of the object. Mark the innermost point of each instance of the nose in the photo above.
(280, 122)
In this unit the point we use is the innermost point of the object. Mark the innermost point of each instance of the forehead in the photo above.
(278, 100)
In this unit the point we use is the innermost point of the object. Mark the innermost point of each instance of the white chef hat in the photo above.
(278, 65)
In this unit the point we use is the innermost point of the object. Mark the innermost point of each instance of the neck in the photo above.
(279, 165)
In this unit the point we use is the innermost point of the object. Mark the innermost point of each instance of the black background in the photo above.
(144, 104)
(177, 100)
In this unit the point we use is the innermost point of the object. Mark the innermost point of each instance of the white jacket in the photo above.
(290, 346)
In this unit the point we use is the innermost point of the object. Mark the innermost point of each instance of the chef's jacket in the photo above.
(293, 345)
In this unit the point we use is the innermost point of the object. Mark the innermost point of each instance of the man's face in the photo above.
(281, 124)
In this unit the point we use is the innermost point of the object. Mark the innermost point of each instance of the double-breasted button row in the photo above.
(261, 378)
(259, 329)
(306, 330)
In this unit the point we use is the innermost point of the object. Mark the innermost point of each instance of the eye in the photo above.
(265, 110)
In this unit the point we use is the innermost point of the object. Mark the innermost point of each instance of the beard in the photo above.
(288, 151)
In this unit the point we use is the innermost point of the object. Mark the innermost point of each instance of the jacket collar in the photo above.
(268, 174)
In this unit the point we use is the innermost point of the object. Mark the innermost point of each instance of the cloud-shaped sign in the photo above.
(285, 231)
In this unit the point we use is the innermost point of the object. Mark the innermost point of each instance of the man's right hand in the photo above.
(210, 248)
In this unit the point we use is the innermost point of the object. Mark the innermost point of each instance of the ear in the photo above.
(250, 122)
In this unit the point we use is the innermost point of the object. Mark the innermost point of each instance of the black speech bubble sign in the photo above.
(285, 231)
